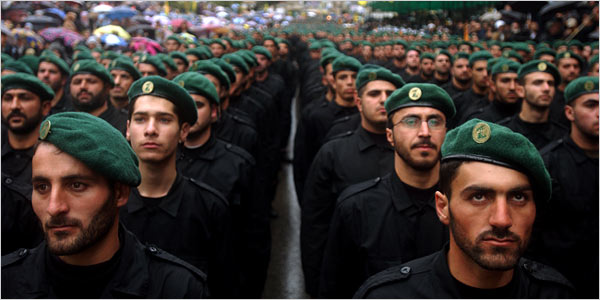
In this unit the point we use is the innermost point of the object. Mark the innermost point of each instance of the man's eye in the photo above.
(78, 186)
(478, 197)
(41, 188)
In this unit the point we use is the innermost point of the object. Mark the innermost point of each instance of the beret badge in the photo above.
(481, 133)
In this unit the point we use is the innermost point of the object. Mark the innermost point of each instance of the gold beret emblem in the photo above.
(372, 76)
(542, 66)
(567, 55)
(588, 85)
(481, 133)
(504, 68)
(30, 51)
(76, 67)
(228, 60)
(181, 83)
(148, 87)
(114, 63)
(144, 57)
(45, 129)
(415, 94)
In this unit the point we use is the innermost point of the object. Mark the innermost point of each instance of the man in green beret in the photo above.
(90, 86)
(83, 171)
(149, 65)
(538, 80)
(465, 47)
(124, 74)
(397, 56)
(180, 60)
(460, 75)
(174, 43)
(442, 64)
(568, 235)
(271, 44)
(569, 66)
(54, 72)
(426, 67)
(217, 48)
(492, 181)
(412, 64)
(161, 113)
(546, 54)
(15, 66)
(366, 53)
(594, 66)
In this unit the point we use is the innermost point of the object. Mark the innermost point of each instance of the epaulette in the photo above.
(357, 188)
(341, 135)
(156, 252)
(15, 257)
(551, 146)
(205, 186)
(243, 121)
(340, 120)
(240, 152)
(543, 272)
(400, 272)
(504, 121)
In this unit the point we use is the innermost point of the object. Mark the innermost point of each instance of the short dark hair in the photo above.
(448, 172)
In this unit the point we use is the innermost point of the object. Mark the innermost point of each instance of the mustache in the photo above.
(499, 233)
(16, 113)
(62, 220)
(423, 142)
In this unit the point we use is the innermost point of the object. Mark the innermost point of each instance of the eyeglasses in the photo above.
(434, 123)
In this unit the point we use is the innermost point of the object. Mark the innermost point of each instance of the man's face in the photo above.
(283, 49)
(569, 69)
(464, 48)
(398, 51)
(123, 81)
(315, 54)
(496, 51)
(191, 59)
(412, 59)
(505, 87)
(50, 74)
(388, 51)
(270, 45)
(215, 81)
(370, 103)
(547, 57)
(367, 51)
(88, 92)
(461, 71)
(490, 214)
(583, 112)
(442, 64)
(216, 49)
(153, 129)
(207, 114)
(75, 205)
(147, 69)
(427, 67)
(106, 62)
(23, 111)
(96, 56)
(263, 63)
(329, 76)
(539, 89)
(171, 45)
(345, 85)
(181, 65)
(240, 82)
(480, 74)
(418, 147)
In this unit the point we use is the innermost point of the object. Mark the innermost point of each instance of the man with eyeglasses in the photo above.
(389, 220)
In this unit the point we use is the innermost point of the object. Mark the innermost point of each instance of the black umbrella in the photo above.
(510, 16)
(41, 22)
(140, 20)
(552, 8)
(526, 6)
(142, 27)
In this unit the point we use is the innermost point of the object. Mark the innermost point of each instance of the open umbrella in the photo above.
(102, 8)
(178, 22)
(120, 12)
(69, 37)
(40, 22)
(114, 29)
(32, 39)
(146, 45)
(162, 20)
(113, 40)
(141, 20)
(553, 7)
(142, 27)
(55, 12)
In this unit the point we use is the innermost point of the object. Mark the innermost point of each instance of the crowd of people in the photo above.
(426, 164)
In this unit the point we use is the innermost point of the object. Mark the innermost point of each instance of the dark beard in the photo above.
(94, 103)
(420, 166)
(195, 134)
(28, 126)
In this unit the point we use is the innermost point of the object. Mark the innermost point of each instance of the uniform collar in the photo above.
(170, 203)
(365, 140)
(400, 197)
(204, 152)
(578, 154)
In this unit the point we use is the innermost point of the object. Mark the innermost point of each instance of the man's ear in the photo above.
(121, 194)
(389, 134)
(441, 207)
(183, 133)
(570, 113)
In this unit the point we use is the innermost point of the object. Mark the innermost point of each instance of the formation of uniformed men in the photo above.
(424, 167)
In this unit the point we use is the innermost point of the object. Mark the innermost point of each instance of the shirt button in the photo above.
(405, 270)
(153, 249)
(23, 252)
(8, 181)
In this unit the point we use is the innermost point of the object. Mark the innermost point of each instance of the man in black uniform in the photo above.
(539, 80)
(460, 72)
(567, 230)
(182, 215)
(390, 220)
(398, 56)
(426, 66)
(442, 64)
(124, 74)
(569, 66)
(506, 101)
(477, 96)
(331, 172)
(54, 72)
(83, 170)
(90, 85)
(488, 199)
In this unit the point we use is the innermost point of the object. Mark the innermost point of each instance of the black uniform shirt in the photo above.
(376, 225)
(115, 117)
(557, 109)
(192, 222)
(430, 277)
(493, 112)
(237, 130)
(540, 134)
(452, 90)
(464, 102)
(343, 125)
(16, 164)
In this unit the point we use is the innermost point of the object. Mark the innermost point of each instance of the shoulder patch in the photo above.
(543, 272)
(357, 188)
(400, 272)
(239, 151)
(550, 147)
(205, 186)
(15, 257)
(160, 254)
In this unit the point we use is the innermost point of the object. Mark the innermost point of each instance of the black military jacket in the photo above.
(429, 277)
(115, 117)
(566, 230)
(539, 134)
(237, 130)
(376, 225)
(349, 159)
(16, 164)
(282, 98)
(343, 124)
(64, 104)
(557, 109)
(465, 101)
(451, 89)
(192, 222)
(417, 79)
(493, 112)
(142, 272)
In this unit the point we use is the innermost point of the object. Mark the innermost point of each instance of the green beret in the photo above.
(576, 43)
(262, 50)
(52, 58)
(581, 86)
(32, 61)
(98, 50)
(542, 45)
(180, 55)
(95, 143)
(81, 48)
(459, 55)
(400, 42)
(248, 57)
(90, 66)
(413, 48)
(345, 63)
(465, 43)
(6, 57)
(569, 54)
(208, 67)
(558, 43)
(487, 142)
(81, 55)
(17, 66)
(282, 41)
(109, 55)
(427, 55)
(506, 45)
(543, 51)
(328, 56)
(365, 43)
(492, 62)
(316, 45)
(166, 59)
(505, 66)
(421, 94)
(236, 60)
(27, 82)
(327, 43)
(121, 63)
(169, 90)
(522, 47)
(443, 52)
(478, 45)
(539, 66)
(155, 61)
(594, 60)
(176, 38)
(199, 52)
(225, 67)
(594, 45)
(217, 41)
(479, 55)
(196, 83)
(369, 72)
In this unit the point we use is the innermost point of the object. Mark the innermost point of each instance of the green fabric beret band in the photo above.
(207, 67)
(488, 142)
(196, 83)
(52, 58)
(581, 86)
(540, 66)
(225, 67)
(125, 65)
(90, 66)
(154, 61)
(95, 143)
(506, 66)
(27, 82)
(180, 55)
(345, 63)
(262, 50)
(17, 66)
(169, 90)
(236, 60)
(421, 94)
(368, 73)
